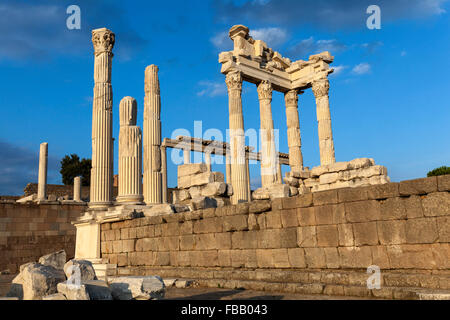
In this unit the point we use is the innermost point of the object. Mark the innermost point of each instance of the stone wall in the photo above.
(404, 228)
(28, 231)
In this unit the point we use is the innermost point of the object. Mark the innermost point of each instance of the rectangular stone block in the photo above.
(352, 194)
(362, 211)
(383, 191)
(273, 219)
(315, 258)
(187, 242)
(307, 236)
(392, 232)
(264, 258)
(413, 206)
(418, 186)
(332, 258)
(355, 257)
(288, 203)
(407, 256)
(187, 227)
(327, 236)
(325, 197)
(235, 223)
(128, 245)
(380, 257)
(145, 244)
(306, 216)
(288, 237)
(169, 229)
(330, 214)
(223, 240)
(208, 258)
(436, 204)
(289, 218)
(365, 233)
(392, 209)
(346, 237)
(443, 224)
(305, 200)
(441, 254)
(421, 230)
(191, 168)
(269, 238)
(296, 257)
(210, 225)
(280, 258)
(443, 182)
(224, 258)
(244, 240)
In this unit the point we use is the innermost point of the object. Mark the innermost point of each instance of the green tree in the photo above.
(439, 171)
(72, 166)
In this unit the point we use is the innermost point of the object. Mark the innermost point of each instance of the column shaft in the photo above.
(77, 189)
(164, 174)
(102, 141)
(228, 167)
(152, 137)
(293, 131)
(237, 138)
(208, 160)
(186, 156)
(130, 154)
(326, 144)
(42, 178)
(268, 152)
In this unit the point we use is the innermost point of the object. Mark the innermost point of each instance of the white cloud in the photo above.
(271, 36)
(222, 41)
(338, 70)
(212, 89)
(361, 68)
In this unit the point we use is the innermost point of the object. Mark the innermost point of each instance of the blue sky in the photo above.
(389, 95)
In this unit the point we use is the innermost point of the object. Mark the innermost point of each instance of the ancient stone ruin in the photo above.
(314, 231)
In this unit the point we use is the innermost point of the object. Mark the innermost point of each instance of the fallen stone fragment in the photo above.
(137, 288)
(79, 268)
(56, 259)
(159, 209)
(183, 283)
(98, 290)
(73, 291)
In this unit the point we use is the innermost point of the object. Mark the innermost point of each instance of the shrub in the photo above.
(439, 171)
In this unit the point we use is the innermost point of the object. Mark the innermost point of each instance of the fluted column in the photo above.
(228, 167)
(247, 168)
(293, 131)
(152, 137)
(77, 189)
(42, 178)
(268, 154)
(237, 138)
(164, 174)
(326, 145)
(130, 154)
(102, 141)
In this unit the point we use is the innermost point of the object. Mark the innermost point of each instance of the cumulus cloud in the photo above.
(330, 14)
(338, 70)
(311, 46)
(271, 36)
(31, 30)
(222, 41)
(212, 89)
(19, 166)
(361, 68)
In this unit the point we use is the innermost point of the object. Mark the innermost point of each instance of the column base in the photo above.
(100, 205)
(132, 199)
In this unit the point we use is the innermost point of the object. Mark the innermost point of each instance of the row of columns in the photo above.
(270, 172)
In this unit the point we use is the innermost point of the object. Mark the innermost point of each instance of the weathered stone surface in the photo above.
(365, 233)
(199, 203)
(180, 195)
(214, 189)
(195, 192)
(137, 288)
(98, 290)
(261, 194)
(392, 232)
(73, 291)
(191, 168)
(55, 259)
(55, 296)
(360, 163)
(81, 268)
(259, 206)
(327, 236)
(421, 230)
(418, 186)
(179, 208)
(36, 281)
(159, 209)
(29, 198)
(436, 204)
(444, 182)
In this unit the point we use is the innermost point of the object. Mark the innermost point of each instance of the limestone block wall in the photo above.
(320, 240)
(62, 190)
(28, 231)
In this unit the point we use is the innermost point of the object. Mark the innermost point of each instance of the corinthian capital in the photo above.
(291, 98)
(265, 90)
(321, 88)
(234, 80)
(103, 40)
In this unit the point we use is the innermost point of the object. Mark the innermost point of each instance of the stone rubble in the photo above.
(137, 288)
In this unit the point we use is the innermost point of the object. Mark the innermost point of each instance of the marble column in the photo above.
(152, 138)
(249, 189)
(186, 156)
(279, 173)
(228, 167)
(208, 160)
(130, 154)
(102, 141)
(326, 145)
(77, 189)
(293, 131)
(237, 138)
(268, 154)
(164, 174)
(42, 178)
